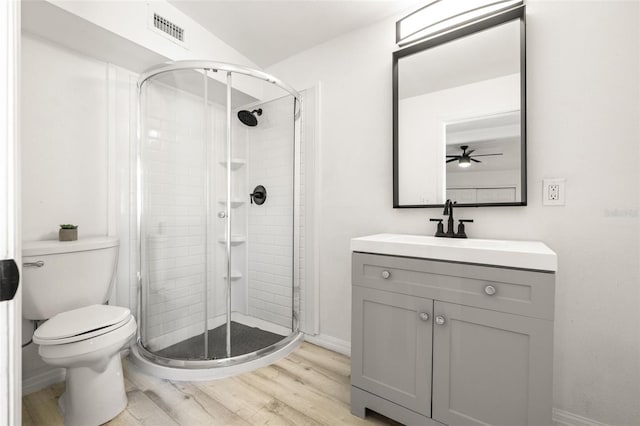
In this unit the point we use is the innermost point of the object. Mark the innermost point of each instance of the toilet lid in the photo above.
(80, 324)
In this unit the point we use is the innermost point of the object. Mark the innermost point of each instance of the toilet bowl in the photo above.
(87, 342)
(67, 284)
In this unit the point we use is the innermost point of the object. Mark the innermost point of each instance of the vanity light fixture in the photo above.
(440, 16)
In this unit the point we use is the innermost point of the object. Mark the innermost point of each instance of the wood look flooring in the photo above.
(311, 386)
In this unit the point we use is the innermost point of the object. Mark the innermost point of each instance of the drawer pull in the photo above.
(440, 320)
(37, 264)
(490, 290)
(424, 316)
(386, 274)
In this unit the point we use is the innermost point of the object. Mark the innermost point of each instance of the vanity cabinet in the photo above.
(437, 342)
(395, 365)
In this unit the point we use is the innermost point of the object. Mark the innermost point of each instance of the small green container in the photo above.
(68, 233)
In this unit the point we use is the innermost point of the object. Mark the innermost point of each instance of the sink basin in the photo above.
(515, 254)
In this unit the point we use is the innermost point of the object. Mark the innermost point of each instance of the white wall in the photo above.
(583, 108)
(64, 167)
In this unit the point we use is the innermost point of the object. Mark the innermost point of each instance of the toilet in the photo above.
(67, 284)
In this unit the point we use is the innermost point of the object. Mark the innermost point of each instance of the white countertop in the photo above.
(514, 254)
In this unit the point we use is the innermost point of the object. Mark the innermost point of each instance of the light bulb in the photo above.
(464, 162)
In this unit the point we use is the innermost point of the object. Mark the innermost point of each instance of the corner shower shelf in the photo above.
(235, 275)
(236, 202)
(236, 163)
(235, 239)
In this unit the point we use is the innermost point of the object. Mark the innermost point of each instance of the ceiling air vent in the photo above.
(168, 27)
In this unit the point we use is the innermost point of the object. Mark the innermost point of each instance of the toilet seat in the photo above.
(81, 324)
(88, 350)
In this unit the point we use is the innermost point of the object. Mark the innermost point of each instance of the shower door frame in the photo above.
(229, 70)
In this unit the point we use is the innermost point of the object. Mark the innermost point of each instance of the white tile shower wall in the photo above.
(239, 195)
(270, 163)
(174, 181)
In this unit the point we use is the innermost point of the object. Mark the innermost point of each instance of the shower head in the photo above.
(250, 118)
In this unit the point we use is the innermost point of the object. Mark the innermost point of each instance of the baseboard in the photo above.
(564, 418)
(329, 342)
(42, 380)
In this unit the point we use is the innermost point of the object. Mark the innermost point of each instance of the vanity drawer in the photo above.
(517, 291)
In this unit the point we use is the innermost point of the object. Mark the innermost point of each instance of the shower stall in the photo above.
(218, 206)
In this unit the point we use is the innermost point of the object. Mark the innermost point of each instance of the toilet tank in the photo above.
(58, 276)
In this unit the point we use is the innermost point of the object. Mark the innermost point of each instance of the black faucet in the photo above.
(448, 210)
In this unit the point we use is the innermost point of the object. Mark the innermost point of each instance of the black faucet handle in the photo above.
(461, 232)
(440, 228)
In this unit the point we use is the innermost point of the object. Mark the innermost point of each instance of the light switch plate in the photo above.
(553, 192)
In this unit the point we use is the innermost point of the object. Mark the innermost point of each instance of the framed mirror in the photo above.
(459, 117)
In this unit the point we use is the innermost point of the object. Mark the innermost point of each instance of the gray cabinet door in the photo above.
(491, 367)
(391, 347)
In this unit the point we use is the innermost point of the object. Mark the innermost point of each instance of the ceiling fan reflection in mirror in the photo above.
(465, 159)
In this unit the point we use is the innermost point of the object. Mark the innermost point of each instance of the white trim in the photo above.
(317, 211)
(313, 202)
(10, 311)
(329, 342)
(112, 152)
(565, 418)
(112, 189)
(317, 202)
(43, 380)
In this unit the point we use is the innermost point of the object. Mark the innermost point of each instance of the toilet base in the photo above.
(93, 397)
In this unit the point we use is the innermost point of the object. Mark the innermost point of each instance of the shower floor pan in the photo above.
(244, 340)
(251, 348)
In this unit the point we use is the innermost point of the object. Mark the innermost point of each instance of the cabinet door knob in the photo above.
(424, 316)
(386, 274)
(490, 290)
(440, 320)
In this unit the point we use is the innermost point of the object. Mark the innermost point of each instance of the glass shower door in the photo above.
(175, 223)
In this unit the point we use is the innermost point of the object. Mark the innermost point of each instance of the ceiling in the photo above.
(269, 31)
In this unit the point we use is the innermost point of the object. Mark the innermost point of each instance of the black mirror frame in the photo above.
(502, 18)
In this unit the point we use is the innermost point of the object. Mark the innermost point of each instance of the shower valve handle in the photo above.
(259, 195)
